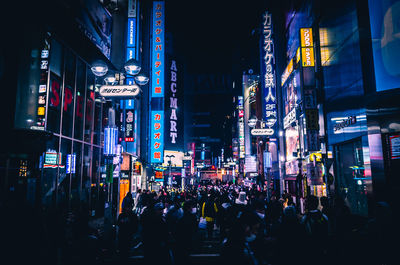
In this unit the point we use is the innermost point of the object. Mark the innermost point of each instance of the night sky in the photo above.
(210, 34)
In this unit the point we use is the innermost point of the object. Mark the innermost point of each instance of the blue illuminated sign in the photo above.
(268, 73)
(131, 36)
(129, 104)
(110, 140)
(130, 53)
(71, 163)
(158, 45)
(157, 136)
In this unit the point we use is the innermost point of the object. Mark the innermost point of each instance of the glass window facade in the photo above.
(346, 118)
(75, 120)
(350, 180)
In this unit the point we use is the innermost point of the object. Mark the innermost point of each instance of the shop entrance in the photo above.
(350, 181)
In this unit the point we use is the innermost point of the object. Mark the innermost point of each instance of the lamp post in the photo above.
(170, 164)
(100, 69)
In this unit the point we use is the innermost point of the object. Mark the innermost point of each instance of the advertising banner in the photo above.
(175, 157)
(384, 18)
(132, 7)
(394, 146)
(42, 96)
(157, 137)
(268, 73)
(96, 23)
(241, 128)
(158, 47)
(173, 107)
(307, 50)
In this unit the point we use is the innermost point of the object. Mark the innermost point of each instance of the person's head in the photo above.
(311, 202)
(289, 214)
(187, 206)
(324, 201)
(259, 206)
(126, 207)
(289, 201)
(275, 210)
(159, 208)
(250, 223)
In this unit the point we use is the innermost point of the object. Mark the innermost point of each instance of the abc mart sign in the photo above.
(119, 91)
(262, 132)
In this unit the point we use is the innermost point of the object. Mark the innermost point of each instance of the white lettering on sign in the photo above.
(291, 117)
(347, 122)
(269, 59)
(173, 103)
(260, 132)
(307, 39)
(131, 25)
(268, 73)
(119, 91)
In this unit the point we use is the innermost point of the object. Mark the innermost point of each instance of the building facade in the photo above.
(337, 91)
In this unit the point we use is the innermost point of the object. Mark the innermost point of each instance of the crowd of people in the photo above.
(251, 228)
(169, 226)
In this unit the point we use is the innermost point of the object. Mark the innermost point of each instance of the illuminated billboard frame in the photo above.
(241, 127)
(158, 46)
(268, 73)
(307, 47)
(157, 82)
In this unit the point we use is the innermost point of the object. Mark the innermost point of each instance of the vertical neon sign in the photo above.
(157, 140)
(131, 53)
(241, 127)
(268, 73)
(157, 84)
(157, 58)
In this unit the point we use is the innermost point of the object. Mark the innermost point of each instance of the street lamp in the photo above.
(252, 122)
(170, 164)
(110, 79)
(132, 67)
(141, 79)
(99, 68)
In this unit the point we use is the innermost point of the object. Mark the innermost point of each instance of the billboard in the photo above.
(157, 137)
(157, 84)
(268, 73)
(175, 157)
(173, 107)
(307, 47)
(96, 23)
(384, 17)
(158, 47)
(241, 127)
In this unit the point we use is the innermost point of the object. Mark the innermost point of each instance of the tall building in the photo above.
(338, 91)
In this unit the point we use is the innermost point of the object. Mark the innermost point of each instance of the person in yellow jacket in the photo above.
(209, 212)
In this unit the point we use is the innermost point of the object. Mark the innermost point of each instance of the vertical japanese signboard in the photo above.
(268, 73)
(158, 45)
(157, 139)
(241, 127)
(42, 98)
(157, 84)
(131, 31)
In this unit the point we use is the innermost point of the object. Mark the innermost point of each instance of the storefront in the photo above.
(75, 116)
(56, 140)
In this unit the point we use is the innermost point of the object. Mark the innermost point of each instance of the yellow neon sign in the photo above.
(306, 37)
(307, 56)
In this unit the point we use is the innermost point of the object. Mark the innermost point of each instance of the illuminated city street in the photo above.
(174, 132)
